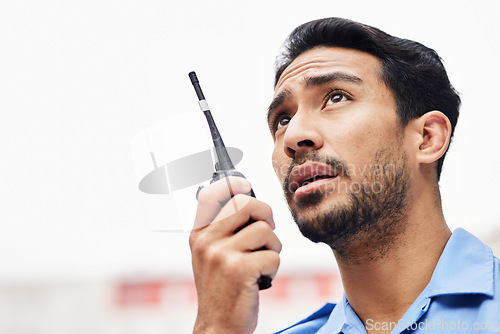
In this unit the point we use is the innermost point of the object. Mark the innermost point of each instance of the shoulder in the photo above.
(312, 323)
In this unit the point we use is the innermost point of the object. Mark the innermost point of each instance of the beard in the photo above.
(372, 217)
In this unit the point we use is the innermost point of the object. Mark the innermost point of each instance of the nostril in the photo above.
(290, 152)
(306, 142)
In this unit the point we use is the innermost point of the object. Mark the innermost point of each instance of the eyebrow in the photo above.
(332, 77)
(312, 82)
(277, 101)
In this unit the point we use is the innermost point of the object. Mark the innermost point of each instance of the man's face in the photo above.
(336, 131)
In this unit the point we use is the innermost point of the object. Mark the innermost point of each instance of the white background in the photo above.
(80, 80)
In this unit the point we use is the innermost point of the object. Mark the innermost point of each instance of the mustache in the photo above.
(338, 165)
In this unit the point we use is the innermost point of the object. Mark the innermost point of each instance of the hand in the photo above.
(226, 267)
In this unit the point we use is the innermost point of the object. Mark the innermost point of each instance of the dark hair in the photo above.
(413, 72)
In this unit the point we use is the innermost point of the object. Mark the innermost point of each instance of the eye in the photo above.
(281, 121)
(336, 96)
(278, 121)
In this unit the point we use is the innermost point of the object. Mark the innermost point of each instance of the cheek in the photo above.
(280, 162)
(356, 143)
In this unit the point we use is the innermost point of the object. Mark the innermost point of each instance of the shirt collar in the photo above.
(337, 318)
(466, 266)
(342, 319)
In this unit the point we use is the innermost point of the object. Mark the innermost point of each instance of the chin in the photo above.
(309, 207)
(318, 199)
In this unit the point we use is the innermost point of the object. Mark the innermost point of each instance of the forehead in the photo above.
(321, 60)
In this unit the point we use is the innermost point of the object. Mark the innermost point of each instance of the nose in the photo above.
(301, 135)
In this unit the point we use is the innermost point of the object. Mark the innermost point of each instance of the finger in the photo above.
(209, 198)
(256, 235)
(239, 210)
(264, 263)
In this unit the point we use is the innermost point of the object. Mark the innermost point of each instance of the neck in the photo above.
(382, 288)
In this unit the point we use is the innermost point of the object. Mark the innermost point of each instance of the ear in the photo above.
(433, 131)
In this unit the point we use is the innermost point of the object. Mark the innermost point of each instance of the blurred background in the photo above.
(84, 84)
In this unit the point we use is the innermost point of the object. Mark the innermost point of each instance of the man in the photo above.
(361, 122)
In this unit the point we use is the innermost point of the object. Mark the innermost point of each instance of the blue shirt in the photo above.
(463, 296)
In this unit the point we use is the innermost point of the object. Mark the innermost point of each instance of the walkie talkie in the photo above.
(224, 166)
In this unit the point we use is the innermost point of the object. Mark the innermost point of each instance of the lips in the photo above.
(309, 172)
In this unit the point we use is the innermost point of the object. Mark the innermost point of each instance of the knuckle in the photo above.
(241, 204)
(192, 240)
(228, 264)
(262, 227)
(199, 243)
(242, 199)
(233, 267)
(238, 180)
(203, 195)
(280, 246)
(269, 210)
(275, 259)
(215, 256)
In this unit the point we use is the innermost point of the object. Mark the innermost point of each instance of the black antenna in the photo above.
(224, 167)
(224, 161)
